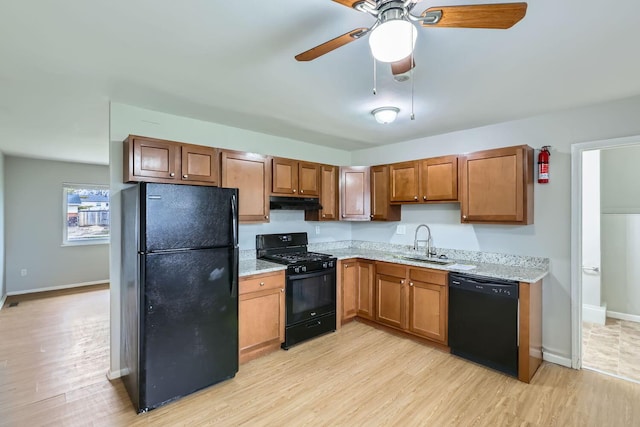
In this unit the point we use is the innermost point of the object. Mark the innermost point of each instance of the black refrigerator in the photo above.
(179, 290)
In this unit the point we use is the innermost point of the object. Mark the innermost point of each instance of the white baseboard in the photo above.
(2, 300)
(112, 375)
(558, 360)
(594, 314)
(57, 288)
(623, 316)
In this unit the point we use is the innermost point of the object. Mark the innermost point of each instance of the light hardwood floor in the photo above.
(54, 357)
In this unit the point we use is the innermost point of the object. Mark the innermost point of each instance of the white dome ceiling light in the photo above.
(393, 40)
(385, 115)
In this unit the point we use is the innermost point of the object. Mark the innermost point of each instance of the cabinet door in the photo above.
(404, 180)
(428, 310)
(355, 202)
(285, 176)
(261, 321)
(151, 159)
(497, 186)
(308, 179)
(199, 164)
(439, 179)
(349, 280)
(249, 173)
(381, 209)
(390, 300)
(328, 196)
(366, 289)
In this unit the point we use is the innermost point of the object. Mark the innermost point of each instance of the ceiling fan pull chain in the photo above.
(374, 76)
(413, 116)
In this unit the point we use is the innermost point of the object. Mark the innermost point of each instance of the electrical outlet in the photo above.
(23, 272)
(317, 229)
(401, 229)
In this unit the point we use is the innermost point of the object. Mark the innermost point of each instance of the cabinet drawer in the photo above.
(394, 270)
(429, 276)
(261, 282)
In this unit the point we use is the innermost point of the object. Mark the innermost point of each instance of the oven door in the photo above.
(309, 295)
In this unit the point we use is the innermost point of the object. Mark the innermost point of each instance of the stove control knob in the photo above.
(330, 264)
(304, 268)
(296, 269)
(325, 265)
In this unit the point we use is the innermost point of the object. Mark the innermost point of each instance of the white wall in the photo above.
(3, 284)
(125, 120)
(33, 226)
(621, 229)
(549, 236)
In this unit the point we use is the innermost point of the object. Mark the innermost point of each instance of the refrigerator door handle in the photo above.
(234, 272)
(234, 220)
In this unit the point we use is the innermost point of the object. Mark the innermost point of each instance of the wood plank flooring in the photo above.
(54, 356)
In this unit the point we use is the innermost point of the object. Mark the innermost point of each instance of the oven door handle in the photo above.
(302, 276)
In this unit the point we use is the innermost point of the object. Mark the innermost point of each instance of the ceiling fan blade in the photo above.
(496, 16)
(327, 47)
(348, 3)
(403, 66)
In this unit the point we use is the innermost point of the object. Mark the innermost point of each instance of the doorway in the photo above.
(605, 250)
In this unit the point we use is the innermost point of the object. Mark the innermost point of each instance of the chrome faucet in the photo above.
(416, 241)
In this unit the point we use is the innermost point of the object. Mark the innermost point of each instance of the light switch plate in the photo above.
(317, 229)
(401, 229)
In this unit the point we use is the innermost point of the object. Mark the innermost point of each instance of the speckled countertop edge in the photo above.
(522, 269)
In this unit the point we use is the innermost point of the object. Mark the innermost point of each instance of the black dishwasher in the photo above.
(483, 321)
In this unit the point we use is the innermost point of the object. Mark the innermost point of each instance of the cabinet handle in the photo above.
(266, 217)
(185, 176)
(424, 198)
(344, 216)
(346, 266)
(464, 217)
(294, 190)
(402, 282)
(415, 197)
(324, 216)
(410, 283)
(172, 174)
(371, 215)
(301, 191)
(261, 283)
(281, 289)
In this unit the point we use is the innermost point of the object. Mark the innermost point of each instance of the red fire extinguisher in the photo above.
(543, 165)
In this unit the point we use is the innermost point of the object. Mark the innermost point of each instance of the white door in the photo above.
(593, 311)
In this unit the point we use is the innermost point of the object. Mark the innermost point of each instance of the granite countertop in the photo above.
(509, 270)
(249, 266)
(497, 271)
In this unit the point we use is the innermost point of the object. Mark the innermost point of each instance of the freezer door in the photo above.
(187, 216)
(190, 323)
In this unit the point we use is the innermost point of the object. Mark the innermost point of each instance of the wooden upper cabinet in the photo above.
(250, 174)
(200, 163)
(497, 186)
(328, 196)
(158, 160)
(355, 196)
(308, 179)
(151, 159)
(424, 181)
(404, 182)
(439, 179)
(381, 209)
(295, 178)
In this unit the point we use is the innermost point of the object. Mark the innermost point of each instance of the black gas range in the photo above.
(310, 285)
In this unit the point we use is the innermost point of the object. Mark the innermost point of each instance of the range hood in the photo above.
(294, 203)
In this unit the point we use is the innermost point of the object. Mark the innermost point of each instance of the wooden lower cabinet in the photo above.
(357, 290)
(261, 314)
(412, 299)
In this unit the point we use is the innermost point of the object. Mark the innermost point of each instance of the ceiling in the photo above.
(63, 61)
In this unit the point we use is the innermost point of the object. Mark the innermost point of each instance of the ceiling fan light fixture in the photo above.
(393, 40)
(385, 115)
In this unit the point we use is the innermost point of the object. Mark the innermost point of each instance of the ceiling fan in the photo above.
(392, 37)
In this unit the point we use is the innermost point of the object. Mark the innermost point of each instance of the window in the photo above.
(85, 214)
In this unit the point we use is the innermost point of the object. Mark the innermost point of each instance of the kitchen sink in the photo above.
(426, 260)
